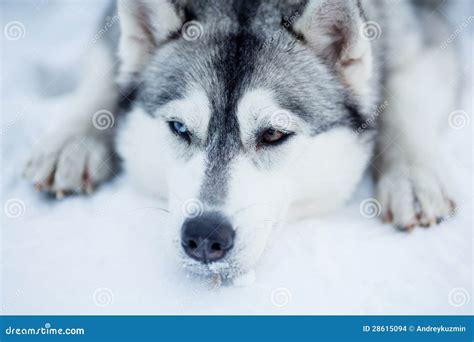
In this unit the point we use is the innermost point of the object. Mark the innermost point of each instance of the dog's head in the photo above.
(244, 108)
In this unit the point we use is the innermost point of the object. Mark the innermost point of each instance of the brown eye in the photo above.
(272, 137)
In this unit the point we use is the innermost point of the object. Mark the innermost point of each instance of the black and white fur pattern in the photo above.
(304, 67)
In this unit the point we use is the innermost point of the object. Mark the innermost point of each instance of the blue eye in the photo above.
(180, 129)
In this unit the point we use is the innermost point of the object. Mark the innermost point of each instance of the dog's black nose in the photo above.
(208, 237)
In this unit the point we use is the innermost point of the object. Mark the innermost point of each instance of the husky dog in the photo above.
(243, 114)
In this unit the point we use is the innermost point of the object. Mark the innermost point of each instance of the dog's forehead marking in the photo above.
(234, 64)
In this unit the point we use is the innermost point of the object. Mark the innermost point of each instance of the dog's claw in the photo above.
(62, 168)
(408, 228)
(426, 224)
(388, 217)
(89, 188)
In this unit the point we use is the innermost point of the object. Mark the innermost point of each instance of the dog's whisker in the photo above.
(154, 208)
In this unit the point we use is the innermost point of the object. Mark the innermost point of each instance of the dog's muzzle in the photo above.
(208, 237)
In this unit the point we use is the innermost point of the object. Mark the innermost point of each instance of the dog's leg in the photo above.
(78, 154)
(413, 186)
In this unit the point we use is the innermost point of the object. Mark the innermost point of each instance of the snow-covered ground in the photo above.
(109, 253)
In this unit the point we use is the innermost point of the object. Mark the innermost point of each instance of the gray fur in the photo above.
(308, 57)
(245, 45)
(248, 44)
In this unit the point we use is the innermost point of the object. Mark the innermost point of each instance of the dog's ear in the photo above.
(334, 30)
(145, 25)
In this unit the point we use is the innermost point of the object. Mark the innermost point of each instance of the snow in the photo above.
(109, 253)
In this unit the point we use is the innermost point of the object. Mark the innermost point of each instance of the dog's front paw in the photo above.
(414, 196)
(64, 166)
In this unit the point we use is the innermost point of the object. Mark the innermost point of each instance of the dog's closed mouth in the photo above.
(218, 272)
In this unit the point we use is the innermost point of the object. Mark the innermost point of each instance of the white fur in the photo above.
(76, 145)
(258, 108)
(306, 170)
(142, 136)
(409, 165)
(303, 177)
